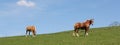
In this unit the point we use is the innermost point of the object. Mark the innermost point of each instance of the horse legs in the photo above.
(34, 33)
(86, 31)
(29, 32)
(74, 32)
(77, 32)
(26, 32)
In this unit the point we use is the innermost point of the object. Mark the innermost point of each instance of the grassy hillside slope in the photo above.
(97, 36)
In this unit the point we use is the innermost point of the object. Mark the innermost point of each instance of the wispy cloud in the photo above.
(26, 3)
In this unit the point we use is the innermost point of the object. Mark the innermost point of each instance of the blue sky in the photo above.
(50, 16)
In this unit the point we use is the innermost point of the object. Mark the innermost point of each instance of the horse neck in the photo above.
(87, 22)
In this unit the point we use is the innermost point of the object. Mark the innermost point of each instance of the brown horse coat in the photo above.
(30, 29)
(85, 26)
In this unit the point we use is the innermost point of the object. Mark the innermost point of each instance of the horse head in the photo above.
(91, 21)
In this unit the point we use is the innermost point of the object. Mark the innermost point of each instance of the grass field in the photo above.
(97, 36)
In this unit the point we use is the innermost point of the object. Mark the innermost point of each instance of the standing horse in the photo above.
(31, 29)
(85, 26)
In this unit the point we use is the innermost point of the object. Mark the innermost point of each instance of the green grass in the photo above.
(97, 36)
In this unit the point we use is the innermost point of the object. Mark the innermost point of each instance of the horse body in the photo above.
(85, 26)
(31, 29)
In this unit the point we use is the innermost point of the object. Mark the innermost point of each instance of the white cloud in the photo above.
(26, 3)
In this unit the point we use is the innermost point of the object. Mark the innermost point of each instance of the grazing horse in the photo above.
(31, 29)
(85, 26)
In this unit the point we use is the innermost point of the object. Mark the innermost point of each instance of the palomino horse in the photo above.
(85, 26)
(31, 29)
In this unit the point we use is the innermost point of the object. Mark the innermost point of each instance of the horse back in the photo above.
(30, 28)
(78, 25)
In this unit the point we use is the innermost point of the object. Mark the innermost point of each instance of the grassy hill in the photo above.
(97, 36)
